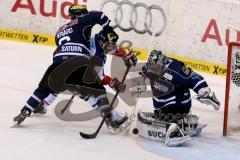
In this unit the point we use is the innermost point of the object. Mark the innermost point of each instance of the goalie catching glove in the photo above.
(206, 96)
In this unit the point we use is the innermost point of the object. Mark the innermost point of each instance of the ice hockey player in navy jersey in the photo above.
(73, 39)
(171, 82)
(99, 48)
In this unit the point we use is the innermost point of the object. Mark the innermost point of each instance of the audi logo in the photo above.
(134, 17)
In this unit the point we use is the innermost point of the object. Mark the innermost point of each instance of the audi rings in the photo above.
(134, 17)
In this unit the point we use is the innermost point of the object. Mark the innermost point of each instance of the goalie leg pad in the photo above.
(160, 131)
(191, 126)
(175, 136)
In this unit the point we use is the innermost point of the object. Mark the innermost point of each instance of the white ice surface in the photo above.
(47, 138)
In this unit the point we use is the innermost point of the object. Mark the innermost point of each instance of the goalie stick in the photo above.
(94, 135)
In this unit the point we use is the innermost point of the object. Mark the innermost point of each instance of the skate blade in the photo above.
(201, 127)
(16, 125)
(126, 132)
(38, 115)
(126, 128)
(175, 142)
(197, 131)
(115, 130)
(122, 128)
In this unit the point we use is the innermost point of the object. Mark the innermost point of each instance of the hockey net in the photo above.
(232, 96)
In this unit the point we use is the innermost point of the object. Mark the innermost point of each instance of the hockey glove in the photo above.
(130, 59)
(117, 85)
(206, 96)
(110, 34)
(120, 52)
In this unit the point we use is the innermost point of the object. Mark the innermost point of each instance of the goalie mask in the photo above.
(156, 62)
(76, 10)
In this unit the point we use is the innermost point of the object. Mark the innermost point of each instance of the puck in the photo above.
(135, 131)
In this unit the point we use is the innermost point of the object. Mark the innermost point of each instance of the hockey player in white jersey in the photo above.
(171, 82)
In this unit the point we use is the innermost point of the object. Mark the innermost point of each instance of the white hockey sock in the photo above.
(49, 99)
(92, 101)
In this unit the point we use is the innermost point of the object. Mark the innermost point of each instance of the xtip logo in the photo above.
(38, 39)
(218, 70)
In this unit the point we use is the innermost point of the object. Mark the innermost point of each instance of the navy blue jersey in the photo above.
(183, 79)
(73, 39)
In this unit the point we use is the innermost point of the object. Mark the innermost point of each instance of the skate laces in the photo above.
(26, 113)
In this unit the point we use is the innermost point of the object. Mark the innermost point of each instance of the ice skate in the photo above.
(25, 112)
(116, 123)
(41, 109)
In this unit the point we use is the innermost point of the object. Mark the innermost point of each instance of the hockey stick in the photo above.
(94, 135)
(68, 104)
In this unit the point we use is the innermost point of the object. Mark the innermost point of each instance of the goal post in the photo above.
(232, 94)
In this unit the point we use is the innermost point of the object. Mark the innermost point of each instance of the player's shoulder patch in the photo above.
(185, 72)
